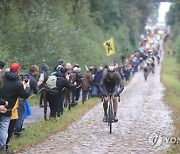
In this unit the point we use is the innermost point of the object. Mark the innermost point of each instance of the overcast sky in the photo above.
(163, 9)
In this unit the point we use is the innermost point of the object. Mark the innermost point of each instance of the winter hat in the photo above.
(14, 67)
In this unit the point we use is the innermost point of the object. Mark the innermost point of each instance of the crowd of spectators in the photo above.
(70, 85)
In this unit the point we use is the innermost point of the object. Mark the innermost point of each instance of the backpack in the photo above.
(51, 82)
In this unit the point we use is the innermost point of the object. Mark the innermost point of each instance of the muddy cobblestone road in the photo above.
(141, 113)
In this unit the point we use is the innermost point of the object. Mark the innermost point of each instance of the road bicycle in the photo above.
(110, 113)
(110, 116)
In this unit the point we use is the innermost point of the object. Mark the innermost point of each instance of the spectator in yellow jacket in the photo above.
(14, 117)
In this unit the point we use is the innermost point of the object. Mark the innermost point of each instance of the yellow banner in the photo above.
(109, 47)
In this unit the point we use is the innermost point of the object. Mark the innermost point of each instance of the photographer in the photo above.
(33, 73)
(3, 109)
(3, 103)
(34, 86)
(11, 90)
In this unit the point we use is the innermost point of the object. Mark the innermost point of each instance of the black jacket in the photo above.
(12, 89)
(33, 84)
(79, 78)
(61, 84)
(2, 102)
(44, 72)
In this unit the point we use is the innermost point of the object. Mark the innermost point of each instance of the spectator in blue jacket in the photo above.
(96, 82)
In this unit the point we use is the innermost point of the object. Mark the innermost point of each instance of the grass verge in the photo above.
(171, 80)
(34, 100)
(40, 131)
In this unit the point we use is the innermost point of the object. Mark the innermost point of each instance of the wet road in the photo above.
(37, 114)
(141, 113)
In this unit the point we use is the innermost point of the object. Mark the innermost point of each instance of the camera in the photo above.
(26, 78)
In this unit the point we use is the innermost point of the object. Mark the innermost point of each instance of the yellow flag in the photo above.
(109, 47)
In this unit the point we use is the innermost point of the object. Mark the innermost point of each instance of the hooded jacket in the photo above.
(61, 84)
(12, 89)
(45, 68)
(88, 79)
(33, 83)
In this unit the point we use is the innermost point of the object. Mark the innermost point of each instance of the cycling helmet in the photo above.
(111, 69)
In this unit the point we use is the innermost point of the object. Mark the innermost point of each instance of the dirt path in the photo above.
(141, 113)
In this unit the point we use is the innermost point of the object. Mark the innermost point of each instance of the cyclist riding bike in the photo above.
(146, 70)
(111, 83)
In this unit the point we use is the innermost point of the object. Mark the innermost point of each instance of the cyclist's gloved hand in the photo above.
(104, 95)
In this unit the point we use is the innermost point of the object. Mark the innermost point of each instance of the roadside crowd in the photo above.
(16, 88)
(69, 85)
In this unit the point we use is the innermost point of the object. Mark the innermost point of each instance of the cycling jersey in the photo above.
(113, 85)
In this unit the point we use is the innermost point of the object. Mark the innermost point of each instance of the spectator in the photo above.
(12, 89)
(86, 85)
(69, 68)
(68, 91)
(13, 119)
(174, 53)
(2, 109)
(96, 83)
(60, 65)
(78, 80)
(127, 72)
(34, 86)
(2, 64)
(43, 77)
(55, 97)
(3, 103)
(105, 70)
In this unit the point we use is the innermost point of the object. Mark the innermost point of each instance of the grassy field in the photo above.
(171, 80)
(40, 131)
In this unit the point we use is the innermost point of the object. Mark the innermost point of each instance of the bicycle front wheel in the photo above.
(110, 126)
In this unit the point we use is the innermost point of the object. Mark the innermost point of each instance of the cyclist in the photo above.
(111, 83)
(150, 62)
(146, 70)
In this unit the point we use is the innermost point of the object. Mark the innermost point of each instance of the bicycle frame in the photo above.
(110, 112)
